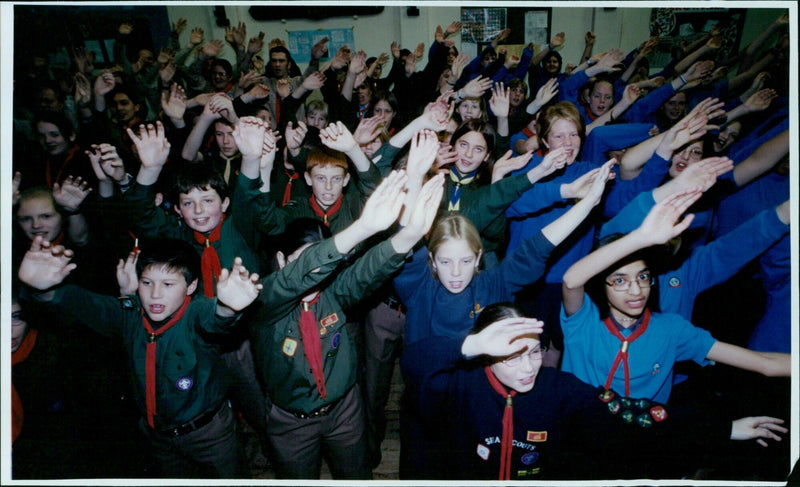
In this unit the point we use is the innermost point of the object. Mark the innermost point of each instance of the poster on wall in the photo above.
(479, 25)
(536, 26)
(301, 41)
(682, 26)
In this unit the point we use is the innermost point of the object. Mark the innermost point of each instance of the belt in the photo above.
(394, 303)
(320, 411)
(192, 425)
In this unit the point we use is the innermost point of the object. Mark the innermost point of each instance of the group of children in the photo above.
(275, 255)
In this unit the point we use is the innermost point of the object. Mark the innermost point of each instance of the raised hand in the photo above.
(395, 48)
(314, 81)
(151, 145)
(283, 87)
(663, 222)
(506, 164)
(250, 78)
(166, 72)
(499, 102)
(602, 175)
(358, 63)
(83, 63)
(222, 105)
(342, 57)
(476, 87)
(368, 129)
(698, 71)
(546, 93)
(71, 193)
(757, 428)
(213, 48)
(174, 102)
(631, 94)
(259, 91)
(421, 214)
(501, 338)
(703, 174)
(196, 37)
(104, 83)
(127, 279)
(424, 147)
(452, 29)
(178, 26)
(45, 265)
(445, 156)
(237, 288)
(256, 43)
(106, 163)
(336, 136)
(294, 135)
(83, 90)
(383, 206)
(459, 63)
(589, 38)
(557, 40)
(249, 136)
(269, 148)
(761, 99)
(419, 51)
(125, 28)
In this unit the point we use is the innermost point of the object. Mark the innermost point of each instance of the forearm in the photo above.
(347, 239)
(762, 160)
(195, 139)
(78, 229)
(557, 231)
(637, 156)
(359, 159)
(582, 271)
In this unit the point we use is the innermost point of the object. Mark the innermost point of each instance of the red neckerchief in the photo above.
(150, 360)
(58, 239)
(209, 260)
(17, 413)
(527, 132)
(309, 331)
(622, 355)
(325, 214)
(506, 444)
(287, 193)
(47, 167)
(277, 108)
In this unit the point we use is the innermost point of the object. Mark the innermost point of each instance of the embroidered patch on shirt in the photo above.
(127, 302)
(658, 413)
(529, 458)
(483, 451)
(184, 383)
(537, 436)
(476, 311)
(289, 347)
(329, 320)
(656, 369)
(674, 282)
(337, 338)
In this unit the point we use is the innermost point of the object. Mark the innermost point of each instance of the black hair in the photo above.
(494, 313)
(486, 129)
(554, 54)
(653, 259)
(224, 64)
(300, 232)
(174, 254)
(57, 118)
(198, 175)
(293, 69)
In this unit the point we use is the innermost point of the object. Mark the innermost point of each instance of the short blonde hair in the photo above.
(563, 110)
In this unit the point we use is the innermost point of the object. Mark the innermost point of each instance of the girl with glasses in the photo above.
(617, 340)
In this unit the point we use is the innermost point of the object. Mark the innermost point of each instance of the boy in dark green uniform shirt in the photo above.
(174, 366)
(305, 357)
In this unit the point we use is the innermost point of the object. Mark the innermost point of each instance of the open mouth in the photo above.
(456, 284)
(156, 308)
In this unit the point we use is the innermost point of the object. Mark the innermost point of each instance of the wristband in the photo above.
(127, 184)
(683, 79)
(591, 62)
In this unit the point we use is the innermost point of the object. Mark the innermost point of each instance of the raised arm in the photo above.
(768, 364)
(661, 224)
(153, 149)
(236, 289)
(196, 136)
(762, 160)
(69, 196)
(44, 266)
(336, 136)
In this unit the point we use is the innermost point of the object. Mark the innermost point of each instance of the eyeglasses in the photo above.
(693, 154)
(535, 354)
(621, 283)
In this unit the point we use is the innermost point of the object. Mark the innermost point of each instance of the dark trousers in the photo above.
(298, 445)
(209, 451)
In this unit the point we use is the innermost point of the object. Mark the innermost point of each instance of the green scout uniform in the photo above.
(485, 205)
(151, 222)
(273, 220)
(188, 378)
(275, 331)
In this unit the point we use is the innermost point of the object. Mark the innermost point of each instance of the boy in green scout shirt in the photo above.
(326, 173)
(174, 366)
(305, 357)
(202, 203)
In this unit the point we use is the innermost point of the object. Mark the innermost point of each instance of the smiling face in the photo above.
(684, 157)
(19, 327)
(564, 133)
(601, 98)
(38, 216)
(624, 305)
(470, 109)
(201, 210)
(675, 107)
(223, 135)
(162, 291)
(552, 65)
(51, 139)
(472, 152)
(521, 376)
(219, 78)
(327, 183)
(363, 93)
(455, 264)
(123, 109)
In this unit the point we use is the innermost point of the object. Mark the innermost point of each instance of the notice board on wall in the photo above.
(301, 41)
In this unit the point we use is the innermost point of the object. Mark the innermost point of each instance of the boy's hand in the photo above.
(506, 164)
(71, 193)
(249, 137)
(106, 162)
(174, 102)
(757, 428)
(45, 265)
(151, 145)
(336, 136)
(368, 129)
(294, 135)
(126, 274)
(424, 211)
(499, 102)
(383, 206)
(236, 289)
